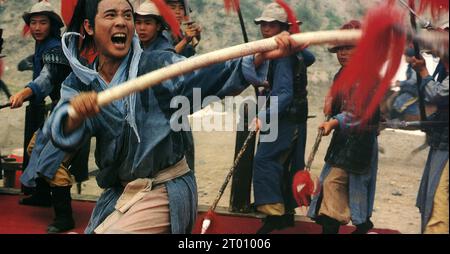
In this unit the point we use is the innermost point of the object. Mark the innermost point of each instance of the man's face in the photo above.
(179, 11)
(147, 28)
(344, 54)
(270, 29)
(40, 27)
(114, 28)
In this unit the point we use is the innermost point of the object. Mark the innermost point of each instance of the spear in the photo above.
(396, 124)
(423, 115)
(210, 216)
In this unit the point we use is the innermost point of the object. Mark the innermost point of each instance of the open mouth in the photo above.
(119, 39)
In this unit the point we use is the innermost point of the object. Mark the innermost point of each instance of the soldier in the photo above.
(186, 45)
(287, 78)
(48, 167)
(150, 26)
(433, 195)
(348, 178)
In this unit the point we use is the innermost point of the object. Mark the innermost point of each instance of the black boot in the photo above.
(364, 228)
(61, 200)
(271, 223)
(330, 226)
(288, 221)
(41, 196)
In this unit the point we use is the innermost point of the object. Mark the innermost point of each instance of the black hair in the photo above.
(86, 9)
(55, 30)
(284, 26)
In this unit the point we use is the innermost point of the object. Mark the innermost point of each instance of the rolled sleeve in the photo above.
(66, 141)
(38, 95)
(345, 120)
(435, 92)
(255, 76)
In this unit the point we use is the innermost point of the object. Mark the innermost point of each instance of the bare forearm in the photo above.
(181, 45)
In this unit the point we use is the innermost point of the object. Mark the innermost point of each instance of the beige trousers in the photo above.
(335, 202)
(438, 223)
(143, 207)
(62, 178)
(150, 215)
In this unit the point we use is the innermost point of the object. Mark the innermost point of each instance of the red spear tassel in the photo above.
(303, 188)
(362, 82)
(168, 16)
(437, 7)
(2, 68)
(292, 18)
(232, 5)
(26, 31)
(209, 224)
(67, 9)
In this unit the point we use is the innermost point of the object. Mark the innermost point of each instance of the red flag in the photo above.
(67, 9)
(1, 68)
(292, 18)
(360, 83)
(25, 30)
(168, 16)
(232, 5)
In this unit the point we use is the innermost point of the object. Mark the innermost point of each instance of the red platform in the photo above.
(17, 219)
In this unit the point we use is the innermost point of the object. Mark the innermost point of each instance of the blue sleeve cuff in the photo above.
(425, 81)
(66, 141)
(308, 57)
(37, 93)
(251, 74)
(341, 120)
(345, 120)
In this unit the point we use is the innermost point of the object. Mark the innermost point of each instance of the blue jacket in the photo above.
(119, 155)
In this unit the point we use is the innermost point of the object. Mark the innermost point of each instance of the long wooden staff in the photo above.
(209, 218)
(156, 77)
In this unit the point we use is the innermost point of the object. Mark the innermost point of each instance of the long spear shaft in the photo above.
(232, 169)
(7, 105)
(423, 115)
(241, 21)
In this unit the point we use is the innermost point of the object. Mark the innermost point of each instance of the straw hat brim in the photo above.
(161, 20)
(52, 15)
(258, 21)
(334, 48)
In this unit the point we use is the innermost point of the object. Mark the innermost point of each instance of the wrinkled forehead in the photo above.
(113, 5)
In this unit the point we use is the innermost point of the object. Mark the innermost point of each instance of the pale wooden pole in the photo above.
(189, 65)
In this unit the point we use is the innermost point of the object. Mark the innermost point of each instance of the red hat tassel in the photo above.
(168, 16)
(292, 18)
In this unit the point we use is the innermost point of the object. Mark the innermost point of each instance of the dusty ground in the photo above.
(398, 178)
